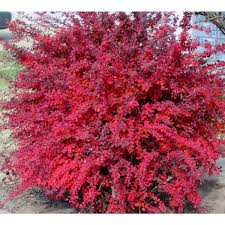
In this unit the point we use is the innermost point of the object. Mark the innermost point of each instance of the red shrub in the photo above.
(114, 113)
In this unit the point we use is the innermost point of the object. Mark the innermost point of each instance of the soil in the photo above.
(31, 202)
(213, 191)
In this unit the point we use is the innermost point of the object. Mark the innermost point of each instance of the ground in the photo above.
(213, 191)
(34, 201)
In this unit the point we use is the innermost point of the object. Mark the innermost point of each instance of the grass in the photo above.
(9, 68)
(3, 85)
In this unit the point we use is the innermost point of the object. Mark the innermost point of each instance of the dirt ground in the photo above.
(33, 201)
(213, 191)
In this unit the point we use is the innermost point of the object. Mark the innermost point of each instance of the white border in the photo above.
(112, 5)
(106, 219)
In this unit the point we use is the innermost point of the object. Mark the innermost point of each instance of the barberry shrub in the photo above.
(115, 112)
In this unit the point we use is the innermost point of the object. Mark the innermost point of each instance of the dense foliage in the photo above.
(115, 112)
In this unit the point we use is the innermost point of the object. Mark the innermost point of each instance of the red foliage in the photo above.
(115, 113)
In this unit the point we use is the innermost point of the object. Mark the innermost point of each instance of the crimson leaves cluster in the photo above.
(115, 112)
